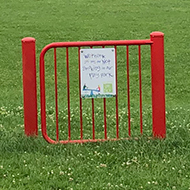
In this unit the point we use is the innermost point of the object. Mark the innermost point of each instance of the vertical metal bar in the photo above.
(81, 125)
(56, 95)
(43, 95)
(68, 94)
(128, 93)
(105, 122)
(116, 98)
(93, 120)
(105, 117)
(140, 91)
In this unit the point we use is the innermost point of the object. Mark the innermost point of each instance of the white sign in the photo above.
(97, 72)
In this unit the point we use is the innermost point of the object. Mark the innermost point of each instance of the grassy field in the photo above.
(32, 163)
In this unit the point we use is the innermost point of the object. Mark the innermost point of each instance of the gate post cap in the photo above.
(28, 39)
(157, 34)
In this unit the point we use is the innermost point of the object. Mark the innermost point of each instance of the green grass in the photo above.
(32, 163)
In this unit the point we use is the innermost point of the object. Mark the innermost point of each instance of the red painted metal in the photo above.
(128, 93)
(93, 120)
(56, 96)
(105, 122)
(29, 86)
(140, 92)
(68, 94)
(80, 99)
(158, 85)
(105, 117)
(158, 107)
(95, 43)
(85, 140)
(93, 117)
(43, 100)
(116, 98)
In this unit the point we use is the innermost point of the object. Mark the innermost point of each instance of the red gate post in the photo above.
(29, 86)
(158, 85)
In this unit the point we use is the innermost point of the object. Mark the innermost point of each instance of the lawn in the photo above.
(32, 163)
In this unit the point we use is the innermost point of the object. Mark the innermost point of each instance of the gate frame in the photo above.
(157, 79)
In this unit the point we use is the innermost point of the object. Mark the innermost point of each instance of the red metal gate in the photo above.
(156, 42)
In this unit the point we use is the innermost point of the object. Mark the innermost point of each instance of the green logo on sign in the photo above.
(108, 88)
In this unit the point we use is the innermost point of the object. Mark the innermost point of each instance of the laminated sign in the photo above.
(97, 72)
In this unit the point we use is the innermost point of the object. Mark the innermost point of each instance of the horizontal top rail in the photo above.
(96, 43)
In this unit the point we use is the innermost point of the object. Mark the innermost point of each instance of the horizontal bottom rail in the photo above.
(81, 141)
